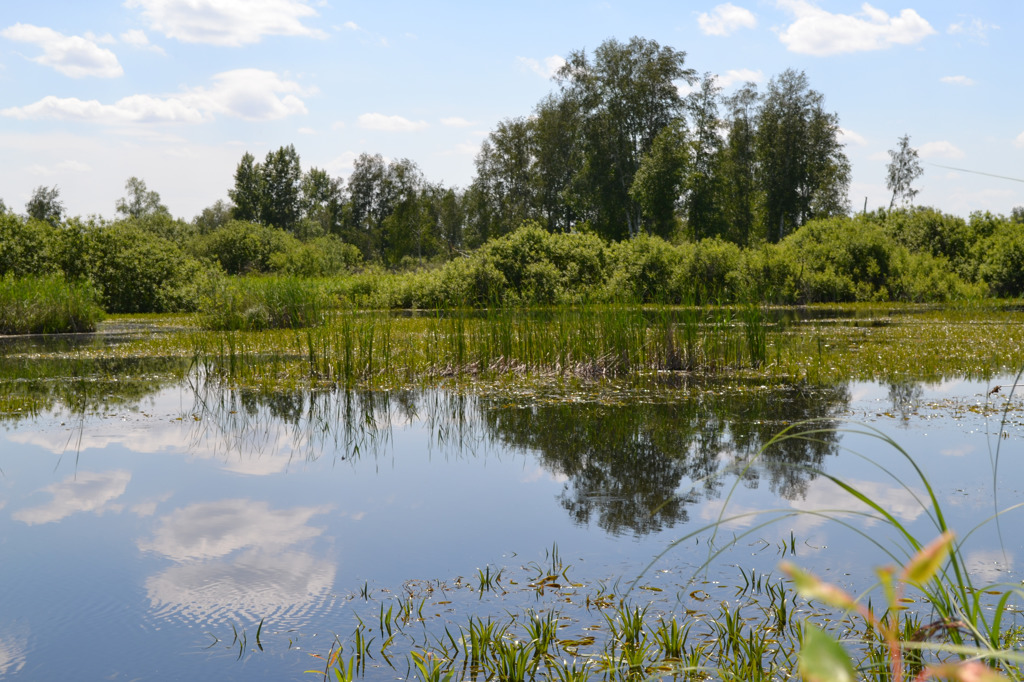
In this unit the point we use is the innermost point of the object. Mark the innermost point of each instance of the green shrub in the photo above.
(320, 257)
(712, 272)
(841, 259)
(1001, 261)
(644, 269)
(47, 305)
(139, 272)
(242, 247)
(26, 246)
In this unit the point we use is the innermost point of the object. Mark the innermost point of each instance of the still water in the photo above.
(146, 534)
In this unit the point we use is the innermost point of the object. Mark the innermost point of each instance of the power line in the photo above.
(966, 170)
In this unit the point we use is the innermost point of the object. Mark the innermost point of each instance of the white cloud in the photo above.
(957, 80)
(1019, 141)
(546, 69)
(251, 94)
(850, 137)
(389, 123)
(208, 530)
(973, 28)
(456, 122)
(726, 19)
(73, 56)
(342, 164)
(230, 23)
(138, 38)
(940, 149)
(733, 76)
(351, 26)
(820, 33)
(269, 585)
(84, 492)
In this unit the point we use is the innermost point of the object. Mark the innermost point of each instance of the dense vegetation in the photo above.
(616, 189)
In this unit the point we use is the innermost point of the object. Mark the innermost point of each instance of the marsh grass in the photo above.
(257, 303)
(47, 305)
(381, 349)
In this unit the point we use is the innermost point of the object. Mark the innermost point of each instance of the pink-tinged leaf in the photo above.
(971, 671)
(926, 563)
(810, 587)
(822, 659)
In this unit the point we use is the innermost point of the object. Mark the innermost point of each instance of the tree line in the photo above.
(615, 150)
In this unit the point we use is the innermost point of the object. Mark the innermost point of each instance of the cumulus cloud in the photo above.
(940, 149)
(726, 19)
(957, 80)
(850, 137)
(229, 23)
(821, 33)
(1019, 141)
(207, 530)
(390, 123)
(73, 56)
(85, 492)
(546, 68)
(734, 76)
(138, 38)
(251, 94)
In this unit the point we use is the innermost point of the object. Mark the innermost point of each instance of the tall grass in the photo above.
(257, 303)
(380, 348)
(47, 305)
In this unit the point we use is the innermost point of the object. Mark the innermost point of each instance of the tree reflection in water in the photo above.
(635, 468)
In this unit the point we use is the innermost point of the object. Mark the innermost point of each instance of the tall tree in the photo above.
(803, 170)
(45, 204)
(903, 168)
(323, 201)
(625, 96)
(282, 189)
(704, 214)
(141, 202)
(658, 183)
(505, 177)
(738, 167)
(557, 148)
(247, 194)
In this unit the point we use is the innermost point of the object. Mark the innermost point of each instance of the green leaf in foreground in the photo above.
(822, 659)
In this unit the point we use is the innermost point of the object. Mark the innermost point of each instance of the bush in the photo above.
(47, 305)
(1001, 261)
(138, 272)
(26, 246)
(841, 259)
(644, 269)
(319, 257)
(712, 272)
(242, 247)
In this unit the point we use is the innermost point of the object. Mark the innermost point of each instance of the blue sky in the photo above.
(175, 91)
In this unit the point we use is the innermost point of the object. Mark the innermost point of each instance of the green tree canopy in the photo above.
(140, 202)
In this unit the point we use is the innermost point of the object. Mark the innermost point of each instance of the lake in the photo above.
(157, 524)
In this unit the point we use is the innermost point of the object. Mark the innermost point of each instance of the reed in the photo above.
(257, 303)
(47, 305)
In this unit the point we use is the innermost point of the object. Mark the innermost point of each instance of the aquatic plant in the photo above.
(47, 304)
